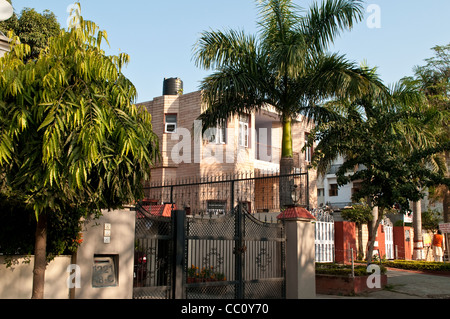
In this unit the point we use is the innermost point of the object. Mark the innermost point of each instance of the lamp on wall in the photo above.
(295, 194)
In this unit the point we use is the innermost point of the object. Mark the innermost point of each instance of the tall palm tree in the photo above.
(286, 66)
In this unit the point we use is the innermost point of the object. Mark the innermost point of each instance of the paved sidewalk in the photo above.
(403, 284)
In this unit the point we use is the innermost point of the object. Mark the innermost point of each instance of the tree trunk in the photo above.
(286, 142)
(40, 257)
(446, 197)
(446, 205)
(373, 229)
(360, 249)
(286, 165)
(417, 225)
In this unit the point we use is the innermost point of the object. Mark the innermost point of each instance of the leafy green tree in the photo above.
(71, 138)
(387, 144)
(433, 79)
(286, 66)
(33, 28)
(431, 219)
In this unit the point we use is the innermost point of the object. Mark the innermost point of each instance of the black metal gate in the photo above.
(234, 256)
(206, 250)
(152, 256)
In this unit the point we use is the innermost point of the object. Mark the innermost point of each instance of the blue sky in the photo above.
(159, 35)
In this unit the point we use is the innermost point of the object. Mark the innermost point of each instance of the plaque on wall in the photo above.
(104, 272)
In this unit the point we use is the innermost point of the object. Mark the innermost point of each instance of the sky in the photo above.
(395, 35)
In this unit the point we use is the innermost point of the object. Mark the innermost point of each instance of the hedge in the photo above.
(343, 270)
(417, 265)
(361, 269)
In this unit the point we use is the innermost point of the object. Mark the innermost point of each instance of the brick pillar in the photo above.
(300, 253)
(344, 241)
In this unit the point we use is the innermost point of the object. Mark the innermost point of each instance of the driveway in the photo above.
(403, 284)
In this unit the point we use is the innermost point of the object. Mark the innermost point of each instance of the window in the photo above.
(320, 192)
(356, 187)
(216, 207)
(333, 190)
(243, 130)
(308, 150)
(170, 125)
(218, 134)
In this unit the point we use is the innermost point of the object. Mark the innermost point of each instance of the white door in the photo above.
(389, 241)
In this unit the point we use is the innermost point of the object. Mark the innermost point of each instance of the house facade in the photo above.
(329, 193)
(244, 145)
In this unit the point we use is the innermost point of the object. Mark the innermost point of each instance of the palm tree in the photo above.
(286, 66)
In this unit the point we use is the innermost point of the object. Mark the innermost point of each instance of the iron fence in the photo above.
(212, 245)
(214, 195)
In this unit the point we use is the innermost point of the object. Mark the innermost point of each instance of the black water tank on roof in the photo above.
(172, 86)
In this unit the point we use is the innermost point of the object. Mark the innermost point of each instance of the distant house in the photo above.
(338, 197)
(328, 191)
(248, 143)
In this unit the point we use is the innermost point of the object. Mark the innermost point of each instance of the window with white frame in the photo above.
(217, 134)
(244, 130)
(170, 123)
(216, 207)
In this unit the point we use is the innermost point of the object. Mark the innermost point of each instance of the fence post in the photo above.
(179, 222)
(353, 264)
(300, 253)
(232, 194)
(307, 189)
(239, 251)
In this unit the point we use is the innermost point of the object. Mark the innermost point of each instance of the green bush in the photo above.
(343, 270)
(361, 269)
(418, 265)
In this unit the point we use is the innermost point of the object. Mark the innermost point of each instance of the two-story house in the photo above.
(244, 145)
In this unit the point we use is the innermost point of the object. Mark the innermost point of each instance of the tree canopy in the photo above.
(390, 145)
(32, 28)
(286, 65)
(433, 80)
(71, 137)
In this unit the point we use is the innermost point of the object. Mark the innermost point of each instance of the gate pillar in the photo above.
(300, 253)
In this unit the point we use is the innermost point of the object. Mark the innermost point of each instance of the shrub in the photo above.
(343, 270)
(418, 265)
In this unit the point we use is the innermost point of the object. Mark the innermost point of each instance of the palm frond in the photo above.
(215, 49)
(277, 19)
(333, 76)
(325, 21)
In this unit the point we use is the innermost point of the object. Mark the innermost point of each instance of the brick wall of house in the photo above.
(193, 160)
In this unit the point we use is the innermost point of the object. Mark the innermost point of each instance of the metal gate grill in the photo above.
(152, 257)
(234, 256)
